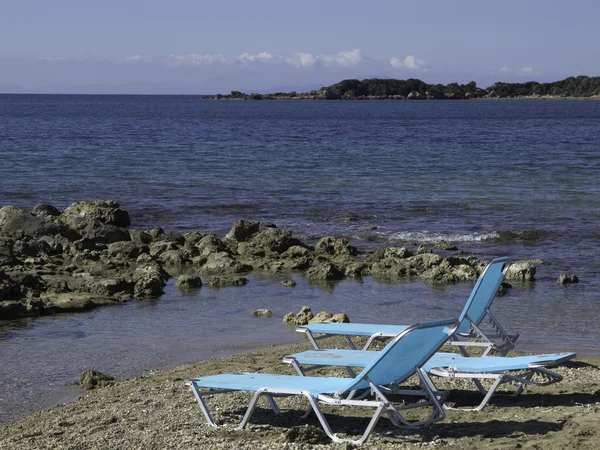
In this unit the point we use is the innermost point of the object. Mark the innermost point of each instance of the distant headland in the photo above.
(414, 89)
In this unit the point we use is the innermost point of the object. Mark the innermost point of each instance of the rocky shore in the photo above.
(88, 255)
(157, 411)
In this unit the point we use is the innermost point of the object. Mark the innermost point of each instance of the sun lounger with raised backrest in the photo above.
(401, 358)
(522, 370)
(470, 332)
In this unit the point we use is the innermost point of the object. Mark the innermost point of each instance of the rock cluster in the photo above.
(563, 278)
(306, 316)
(87, 256)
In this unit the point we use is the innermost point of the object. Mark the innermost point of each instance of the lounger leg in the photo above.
(330, 433)
(250, 409)
(203, 405)
(273, 404)
(489, 393)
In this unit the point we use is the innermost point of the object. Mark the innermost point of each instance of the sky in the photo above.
(216, 46)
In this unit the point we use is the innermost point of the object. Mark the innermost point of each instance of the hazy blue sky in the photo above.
(186, 46)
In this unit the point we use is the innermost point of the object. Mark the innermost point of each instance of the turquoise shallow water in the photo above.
(477, 173)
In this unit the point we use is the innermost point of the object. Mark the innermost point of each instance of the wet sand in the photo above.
(157, 411)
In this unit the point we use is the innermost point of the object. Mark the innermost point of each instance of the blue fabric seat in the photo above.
(403, 357)
(469, 334)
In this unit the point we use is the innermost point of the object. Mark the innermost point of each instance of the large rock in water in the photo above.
(150, 280)
(80, 214)
(335, 247)
(16, 222)
(242, 230)
(521, 270)
(274, 240)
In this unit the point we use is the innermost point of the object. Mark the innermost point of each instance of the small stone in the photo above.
(188, 282)
(288, 283)
(262, 313)
(443, 245)
(563, 278)
(90, 379)
(216, 281)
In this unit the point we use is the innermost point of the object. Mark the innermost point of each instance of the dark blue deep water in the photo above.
(515, 178)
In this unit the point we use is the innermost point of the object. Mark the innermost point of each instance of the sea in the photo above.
(517, 178)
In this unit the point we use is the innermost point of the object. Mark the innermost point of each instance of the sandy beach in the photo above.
(157, 411)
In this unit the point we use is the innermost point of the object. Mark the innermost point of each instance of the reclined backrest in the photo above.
(406, 352)
(483, 293)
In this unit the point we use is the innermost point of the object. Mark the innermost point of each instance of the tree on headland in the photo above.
(415, 89)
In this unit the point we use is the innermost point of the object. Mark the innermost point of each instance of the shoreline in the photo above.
(157, 411)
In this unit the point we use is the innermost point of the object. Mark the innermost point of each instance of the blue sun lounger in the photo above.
(469, 334)
(522, 370)
(403, 357)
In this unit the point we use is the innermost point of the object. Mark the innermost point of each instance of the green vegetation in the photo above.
(414, 89)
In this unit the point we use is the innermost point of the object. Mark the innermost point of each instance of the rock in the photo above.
(390, 253)
(210, 244)
(521, 270)
(423, 261)
(107, 212)
(175, 258)
(307, 434)
(127, 249)
(45, 210)
(218, 282)
(91, 379)
(335, 247)
(107, 234)
(194, 237)
(325, 271)
(158, 248)
(288, 283)
(188, 282)
(15, 222)
(262, 313)
(443, 245)
(357, 270)
(222, 262)
(302, 318)
(31, 247)
(323, 316)
(274, 239)
(140, 236)
(439, 274)
(74, 301)
(265, 224)
(340, 318)
(6, 255)
(423, 249)
(392, 269)
(150, 280)
(297, 251)
(11, 309)
(563, 278)
(110, 286)
(242, 231)
(326, 317)
(172, 236)
(504, 286)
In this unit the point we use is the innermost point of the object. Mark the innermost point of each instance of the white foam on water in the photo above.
(427, 236)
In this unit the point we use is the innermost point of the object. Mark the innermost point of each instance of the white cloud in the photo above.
(193, 59)
(135, 59)
(260, 57)
(52, 58)
(301, 59)
(410, 62)
(525, 71)
(343, 58)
